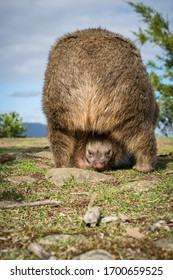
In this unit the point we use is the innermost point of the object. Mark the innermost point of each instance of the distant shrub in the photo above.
(11, 125)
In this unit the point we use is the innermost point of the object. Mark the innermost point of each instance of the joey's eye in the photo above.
(90, 153)
(108, 153)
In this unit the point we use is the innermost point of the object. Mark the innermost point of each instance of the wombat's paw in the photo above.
(82, 163)
(145, 168)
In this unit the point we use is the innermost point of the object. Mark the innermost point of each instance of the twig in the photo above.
(92, 200)
(31, 204)
(79, 193)
(169, 172)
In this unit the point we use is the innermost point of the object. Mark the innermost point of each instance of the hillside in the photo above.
(36, 130)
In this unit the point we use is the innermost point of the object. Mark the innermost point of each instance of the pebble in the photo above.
(40, 252)
(92, 216)
(52, 239)
(139, 186)
(165, 243)
(16, 180)
(94, 255)
(160, 225)
(109, 219)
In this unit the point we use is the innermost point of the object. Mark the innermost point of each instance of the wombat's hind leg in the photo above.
(143, 147)
(62, 147)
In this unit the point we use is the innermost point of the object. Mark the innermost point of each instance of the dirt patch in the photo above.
(23, 142)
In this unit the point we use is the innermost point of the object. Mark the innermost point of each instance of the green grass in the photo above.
(20, 226)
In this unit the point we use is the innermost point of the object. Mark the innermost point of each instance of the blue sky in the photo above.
(30, 27)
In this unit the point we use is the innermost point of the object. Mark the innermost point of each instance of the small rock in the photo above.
(160, 225)
(20, 179)
(139, 186)
(134, 232)
(52, 239)
(135, 254)
(94, 255)
(92, 216)
(109, 219)
(59, 175)
(165, 243)
(40, 252)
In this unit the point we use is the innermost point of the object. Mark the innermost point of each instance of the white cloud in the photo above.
(25, 94)
(30, 27)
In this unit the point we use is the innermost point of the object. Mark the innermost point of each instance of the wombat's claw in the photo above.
(143, 168)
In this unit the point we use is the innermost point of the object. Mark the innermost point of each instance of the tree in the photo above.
(11, 125)
(161, 71)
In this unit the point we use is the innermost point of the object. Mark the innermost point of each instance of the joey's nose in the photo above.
(99, 165)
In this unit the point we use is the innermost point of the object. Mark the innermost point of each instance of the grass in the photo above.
(21, 226)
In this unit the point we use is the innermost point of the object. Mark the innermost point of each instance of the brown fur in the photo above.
(96, 82)
(96, 152)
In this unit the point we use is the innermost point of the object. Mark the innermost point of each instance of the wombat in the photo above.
(96, 152)
(96, 83)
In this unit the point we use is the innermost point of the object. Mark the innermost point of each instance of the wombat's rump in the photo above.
(96, 82)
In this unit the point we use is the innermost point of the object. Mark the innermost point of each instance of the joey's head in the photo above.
(98, 152)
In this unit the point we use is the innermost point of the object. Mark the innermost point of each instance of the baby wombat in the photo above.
(96, 83)
(96, 153)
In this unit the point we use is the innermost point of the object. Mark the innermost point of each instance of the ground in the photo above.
(142, 204)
